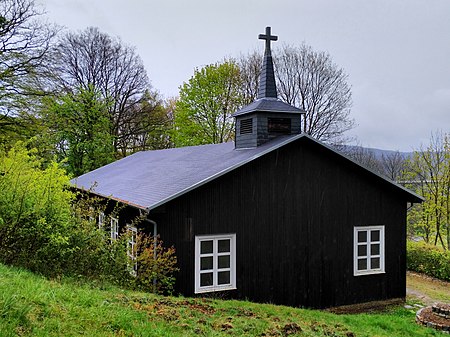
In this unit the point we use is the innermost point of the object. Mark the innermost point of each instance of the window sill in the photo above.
(369, 272)
(215, 289)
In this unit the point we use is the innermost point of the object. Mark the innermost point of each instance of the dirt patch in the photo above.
(374, 306)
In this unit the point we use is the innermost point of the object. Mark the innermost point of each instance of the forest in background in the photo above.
(71, 102)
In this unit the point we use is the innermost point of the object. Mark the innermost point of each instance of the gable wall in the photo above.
(293, 212)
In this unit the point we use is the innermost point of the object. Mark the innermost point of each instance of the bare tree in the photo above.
(250, 69)
(362, 156)
(24, 41)
(311, 81)
(393, 165)
(92, 58)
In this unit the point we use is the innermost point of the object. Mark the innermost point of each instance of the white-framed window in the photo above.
(91, 214)
(215, 263)
(101, 219)
(131, 249)
(114, 228)
(368, 250)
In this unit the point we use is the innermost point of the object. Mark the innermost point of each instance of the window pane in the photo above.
(206, 247)
(223, 277)
(362, 236)
(375, 235)
(206, 263)
(224, 261)
(206, 279)
(362, 250)
(375, 263)
(362, 264)
(375, 249)
(224, 246)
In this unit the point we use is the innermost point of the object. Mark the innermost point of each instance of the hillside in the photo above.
(33, 306)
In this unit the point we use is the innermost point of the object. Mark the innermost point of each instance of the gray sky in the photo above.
(396, 52)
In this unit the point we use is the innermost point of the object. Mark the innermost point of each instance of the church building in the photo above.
(275, 216)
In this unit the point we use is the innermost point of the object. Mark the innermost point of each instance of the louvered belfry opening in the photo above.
(246, 126)
(267, 117)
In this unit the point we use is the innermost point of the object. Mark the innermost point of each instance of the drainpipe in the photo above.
(155, 244)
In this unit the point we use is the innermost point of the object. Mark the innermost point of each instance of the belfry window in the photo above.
(279, 126)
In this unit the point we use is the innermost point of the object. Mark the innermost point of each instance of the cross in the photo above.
(268, 38)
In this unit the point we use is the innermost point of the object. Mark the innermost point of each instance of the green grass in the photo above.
(33, 306)
(433, 289)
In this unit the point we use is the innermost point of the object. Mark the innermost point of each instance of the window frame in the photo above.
(101, 220)
(369, 270)
(131, 249)
(215, 270)
(114, 228)
(91, 214)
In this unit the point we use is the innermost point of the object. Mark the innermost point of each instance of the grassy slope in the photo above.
(33, 306)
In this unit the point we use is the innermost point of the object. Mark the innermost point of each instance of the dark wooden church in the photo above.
(276, 216)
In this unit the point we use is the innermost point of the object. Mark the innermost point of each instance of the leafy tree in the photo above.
(92, 58)
(155, 123)
(80, 127)
(429, 175)
(207, 101)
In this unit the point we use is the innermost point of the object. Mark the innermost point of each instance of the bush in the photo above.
(41, 225)
(428, 259)
(35, 212)
(46, 228)
(161, 270)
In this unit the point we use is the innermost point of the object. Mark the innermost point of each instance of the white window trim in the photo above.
(131, 249)
(114, 228)
(367, 229)
(101, 219)
(91, 214)
(215, 254)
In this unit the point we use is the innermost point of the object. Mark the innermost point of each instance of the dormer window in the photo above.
(246, 126)
(279, 126)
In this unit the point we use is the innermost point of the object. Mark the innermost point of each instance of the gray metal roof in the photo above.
(268, 105)
(149, 179)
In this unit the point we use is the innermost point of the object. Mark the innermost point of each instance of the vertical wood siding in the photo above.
(293, 212)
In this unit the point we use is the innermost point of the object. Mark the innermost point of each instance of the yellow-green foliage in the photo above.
(34, 208)
(42, 227)
(428, 259)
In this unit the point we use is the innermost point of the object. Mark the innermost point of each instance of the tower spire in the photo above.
(267, 86)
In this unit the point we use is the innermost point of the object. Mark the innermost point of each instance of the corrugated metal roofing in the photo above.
(149, 179)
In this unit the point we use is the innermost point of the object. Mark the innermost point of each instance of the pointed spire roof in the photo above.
(267, 92)
(267, 84)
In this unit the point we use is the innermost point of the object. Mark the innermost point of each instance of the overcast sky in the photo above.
(396, 52)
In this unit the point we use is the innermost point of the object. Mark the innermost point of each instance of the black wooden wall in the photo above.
(293, 212)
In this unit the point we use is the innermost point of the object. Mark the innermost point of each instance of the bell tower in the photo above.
(267, 117)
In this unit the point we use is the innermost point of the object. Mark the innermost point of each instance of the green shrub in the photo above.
(46, 228)
(427, 259)
(35, 212)
(161, 270)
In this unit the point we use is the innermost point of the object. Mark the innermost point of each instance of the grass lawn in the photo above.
(33, 306)
(427, 289)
